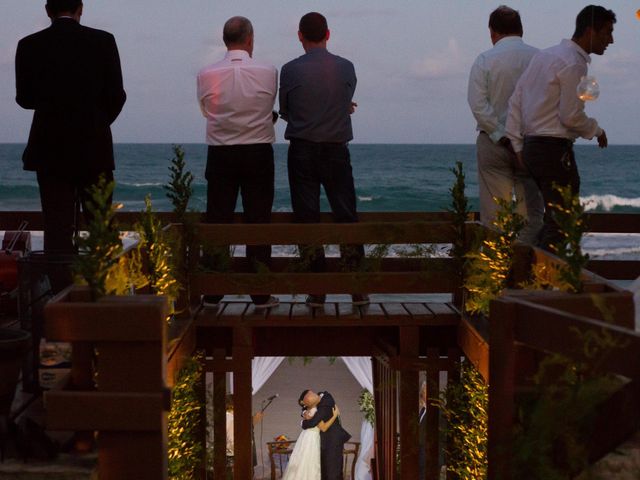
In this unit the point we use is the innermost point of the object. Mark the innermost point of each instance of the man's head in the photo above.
(309, 399)
(313, 30)
(237, 34)
(66, 8)
(594, 29)
(504, 22)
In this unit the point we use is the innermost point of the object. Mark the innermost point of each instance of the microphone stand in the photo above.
(264, 407)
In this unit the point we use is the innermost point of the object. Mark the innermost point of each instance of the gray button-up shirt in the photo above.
(316, 90)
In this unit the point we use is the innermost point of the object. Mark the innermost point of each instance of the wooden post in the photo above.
(242, 415)
(409, 396)
(502, 367)
(219, 415)
(433, 428)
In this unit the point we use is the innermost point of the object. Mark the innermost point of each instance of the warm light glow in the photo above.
(638, 14)
(588, 89)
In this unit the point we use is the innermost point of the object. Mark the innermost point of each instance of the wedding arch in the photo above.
(360, 367)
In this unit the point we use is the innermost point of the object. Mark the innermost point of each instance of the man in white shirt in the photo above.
(492, 80)
(546, 114)
(236, 96)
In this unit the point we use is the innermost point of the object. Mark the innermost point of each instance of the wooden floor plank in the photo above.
(279, 313)
(348, 311)
(373, 312)
(418, 310)
(328, 310)
(395, 312)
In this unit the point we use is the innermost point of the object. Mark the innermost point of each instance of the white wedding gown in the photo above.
(304, 463)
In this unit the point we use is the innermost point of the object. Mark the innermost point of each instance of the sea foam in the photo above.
(608, 202)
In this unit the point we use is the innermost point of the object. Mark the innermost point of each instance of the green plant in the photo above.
(465, 405)
(570, 218)
(158, 255)
(460, 214)
(100, 249)
(185, 451)
(367, 406)
(489, 266)
(179, 189)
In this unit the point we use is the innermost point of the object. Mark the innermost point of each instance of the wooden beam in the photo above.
(502, 364)
(326, 234)
(300, 283)
(408, 398)
(475, 347)
(551, 330)
(106, 411)
(615, 269)
(242, 414)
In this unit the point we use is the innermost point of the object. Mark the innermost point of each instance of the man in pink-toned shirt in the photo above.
(236, 96)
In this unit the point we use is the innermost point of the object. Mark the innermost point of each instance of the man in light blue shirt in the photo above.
(493, 78)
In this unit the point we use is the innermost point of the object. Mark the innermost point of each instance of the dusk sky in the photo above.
(412, 59)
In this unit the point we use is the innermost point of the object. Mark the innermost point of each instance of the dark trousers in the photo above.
(552, 163)
(61, 197)
(312, 165)
(331, 462)
(248, 169)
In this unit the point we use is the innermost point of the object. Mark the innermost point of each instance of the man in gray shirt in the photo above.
(316, 92)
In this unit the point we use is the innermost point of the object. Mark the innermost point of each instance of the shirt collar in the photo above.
(237, 54)
(509, 39)
(577, 48)
(315, 50)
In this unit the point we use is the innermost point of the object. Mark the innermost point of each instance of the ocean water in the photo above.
(393, 177)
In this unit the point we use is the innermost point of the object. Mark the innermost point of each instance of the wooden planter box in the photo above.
(129, 402)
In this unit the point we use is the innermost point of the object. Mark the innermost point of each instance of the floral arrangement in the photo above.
(281, 438)
(367, 406)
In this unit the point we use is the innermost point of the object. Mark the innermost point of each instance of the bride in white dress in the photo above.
(304, 463)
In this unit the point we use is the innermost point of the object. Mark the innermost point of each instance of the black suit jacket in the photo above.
(71, 76)
(335, 436)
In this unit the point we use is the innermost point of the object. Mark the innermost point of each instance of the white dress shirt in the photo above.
(492, 80)
(236, 96)
(545, 101)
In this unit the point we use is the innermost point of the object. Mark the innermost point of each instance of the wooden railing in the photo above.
(524, 326)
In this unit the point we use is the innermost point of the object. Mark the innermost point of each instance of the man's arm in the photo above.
(571, 108)
(478, 98)
(324, 413)
(115, 94)
(284, 91)
(514, 120)
(25, 89)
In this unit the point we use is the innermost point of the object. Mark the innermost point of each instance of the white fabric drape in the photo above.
(361, 369)
(261, 369)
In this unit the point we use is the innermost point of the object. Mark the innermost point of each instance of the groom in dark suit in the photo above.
(332, 441)
(70, 75)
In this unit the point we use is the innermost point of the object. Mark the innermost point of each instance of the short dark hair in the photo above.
(593, 16)
(302, 395)
(236, 30)
(313, 27)
(58, 6)
(506, 21)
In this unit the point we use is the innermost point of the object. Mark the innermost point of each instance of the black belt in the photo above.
(566, 142)
(309, 142)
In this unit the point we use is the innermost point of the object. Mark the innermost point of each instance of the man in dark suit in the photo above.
(332, 441)
(70, 75)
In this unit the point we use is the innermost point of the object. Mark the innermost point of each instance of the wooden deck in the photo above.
(406, 339)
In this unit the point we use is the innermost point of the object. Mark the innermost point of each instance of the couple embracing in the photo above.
(318, 451)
